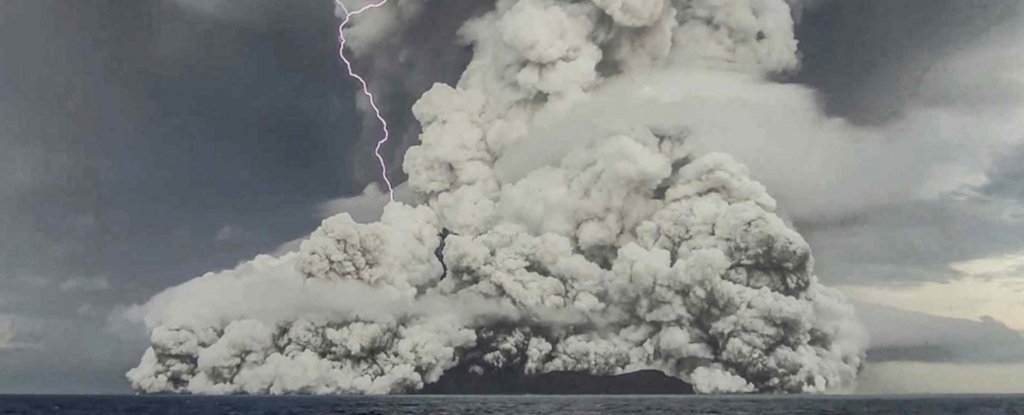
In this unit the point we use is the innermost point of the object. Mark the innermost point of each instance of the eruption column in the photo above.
(366, 89)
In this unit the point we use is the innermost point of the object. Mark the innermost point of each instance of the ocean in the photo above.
(540, 405)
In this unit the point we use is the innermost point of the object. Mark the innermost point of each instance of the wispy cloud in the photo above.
(985, 288)
(100, 283)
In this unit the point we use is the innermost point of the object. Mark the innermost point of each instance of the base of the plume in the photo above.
(645, 382)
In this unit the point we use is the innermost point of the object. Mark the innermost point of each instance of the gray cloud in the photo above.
(85, 284)
(900, 335)
(869, 58)
(131, 134)
(920, 64)
(916, 241)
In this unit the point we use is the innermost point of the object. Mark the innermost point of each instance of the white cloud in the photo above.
(365, 207)
(1001, 266)
(228, 233)
(818, 168)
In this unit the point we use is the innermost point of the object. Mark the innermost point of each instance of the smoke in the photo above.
(534, 241)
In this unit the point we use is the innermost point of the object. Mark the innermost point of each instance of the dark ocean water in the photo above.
(567, 405)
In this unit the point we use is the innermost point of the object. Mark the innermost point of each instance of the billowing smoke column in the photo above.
(633, 249)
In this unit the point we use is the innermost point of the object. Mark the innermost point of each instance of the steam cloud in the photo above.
(534, 237)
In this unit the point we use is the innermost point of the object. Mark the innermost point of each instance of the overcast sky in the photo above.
(145, 143)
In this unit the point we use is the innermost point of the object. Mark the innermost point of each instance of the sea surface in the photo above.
(540, 405)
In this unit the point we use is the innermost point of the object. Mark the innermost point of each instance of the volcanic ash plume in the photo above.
(634, 249)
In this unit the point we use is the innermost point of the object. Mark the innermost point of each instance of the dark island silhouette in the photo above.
(644, 382)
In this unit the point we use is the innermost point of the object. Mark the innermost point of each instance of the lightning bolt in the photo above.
(366, 89)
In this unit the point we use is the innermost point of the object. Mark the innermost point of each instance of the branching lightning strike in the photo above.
(366, 89)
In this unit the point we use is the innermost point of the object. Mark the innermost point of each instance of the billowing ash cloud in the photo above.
(635, 247)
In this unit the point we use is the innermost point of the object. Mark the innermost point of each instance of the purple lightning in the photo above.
(366, 89)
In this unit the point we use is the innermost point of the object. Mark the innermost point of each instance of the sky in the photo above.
(146, 143)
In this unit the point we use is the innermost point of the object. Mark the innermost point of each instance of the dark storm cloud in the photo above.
(146, 128)
(875, 63)
(145, 144)
(868, 58)
(915, 242)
